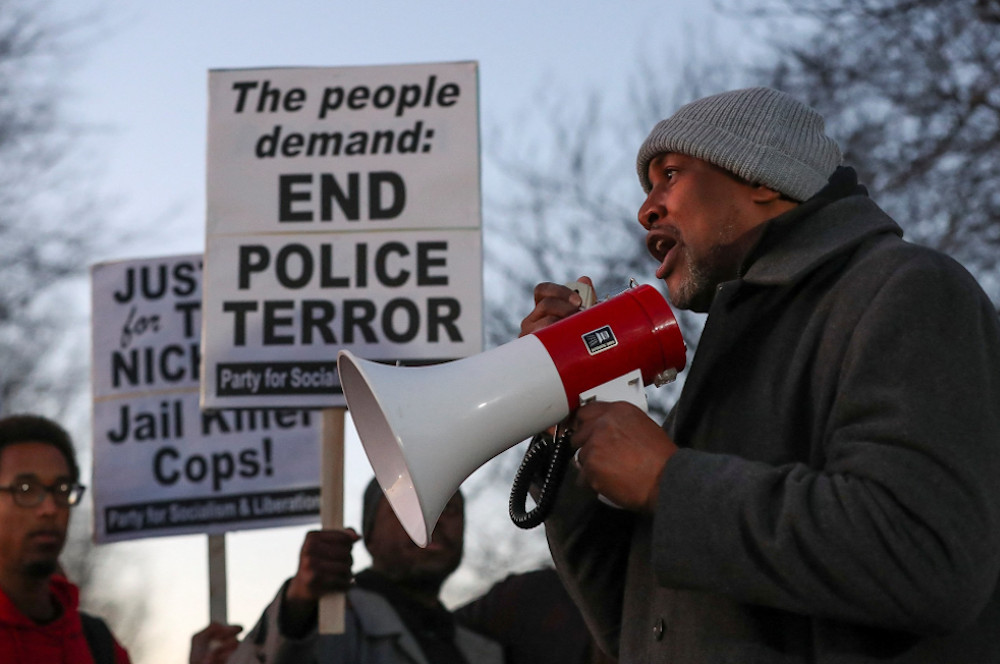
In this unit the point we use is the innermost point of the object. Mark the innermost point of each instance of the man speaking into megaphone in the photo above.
(825, 488)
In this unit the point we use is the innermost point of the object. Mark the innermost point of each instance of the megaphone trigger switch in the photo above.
(585, 292)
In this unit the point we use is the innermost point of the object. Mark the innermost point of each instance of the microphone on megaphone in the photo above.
(426, 429)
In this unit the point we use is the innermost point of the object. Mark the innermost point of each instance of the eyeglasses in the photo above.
(31, 493)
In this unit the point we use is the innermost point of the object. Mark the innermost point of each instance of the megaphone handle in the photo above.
(549, 453)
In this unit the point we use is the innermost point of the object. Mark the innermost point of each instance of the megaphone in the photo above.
(426, 429)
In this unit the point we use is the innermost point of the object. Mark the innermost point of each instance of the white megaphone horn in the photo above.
(426, 429)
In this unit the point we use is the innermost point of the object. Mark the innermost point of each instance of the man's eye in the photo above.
(669, 173)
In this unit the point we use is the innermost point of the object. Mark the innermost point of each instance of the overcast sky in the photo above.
(143, 83)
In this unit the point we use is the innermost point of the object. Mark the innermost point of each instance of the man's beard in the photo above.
(697, 291)
(41, 569)
(425, 583)
(721, 264)
(425, 576)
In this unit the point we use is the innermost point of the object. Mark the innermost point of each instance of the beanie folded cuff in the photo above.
(761, 135)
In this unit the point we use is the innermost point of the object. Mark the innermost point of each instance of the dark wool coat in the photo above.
(836, 497)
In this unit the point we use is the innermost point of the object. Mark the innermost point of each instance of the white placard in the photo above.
(161, 466)
(343, 213)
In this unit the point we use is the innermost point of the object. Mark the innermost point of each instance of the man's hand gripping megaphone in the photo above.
(617, 449)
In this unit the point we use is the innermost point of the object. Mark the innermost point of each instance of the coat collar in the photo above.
(837, 219)
(379, 619)
(809, 243)
(792, 246)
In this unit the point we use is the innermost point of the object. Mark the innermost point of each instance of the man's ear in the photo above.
(762, 194)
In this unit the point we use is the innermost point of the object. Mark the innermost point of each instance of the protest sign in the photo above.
(343, 212)
(161, 465)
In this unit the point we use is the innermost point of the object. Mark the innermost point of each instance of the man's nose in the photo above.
(649, 213)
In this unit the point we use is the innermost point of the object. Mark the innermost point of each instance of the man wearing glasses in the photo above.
(39, 483)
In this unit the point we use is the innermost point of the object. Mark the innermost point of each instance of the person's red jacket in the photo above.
(62, 640)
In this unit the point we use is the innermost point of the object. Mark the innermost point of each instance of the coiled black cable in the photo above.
(546, 455)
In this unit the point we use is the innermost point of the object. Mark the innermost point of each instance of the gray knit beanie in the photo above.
(762, 135)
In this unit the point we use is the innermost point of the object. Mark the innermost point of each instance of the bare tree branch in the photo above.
(912, 92)
(51, 228)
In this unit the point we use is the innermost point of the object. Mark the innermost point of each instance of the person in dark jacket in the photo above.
(826, 487)
(393, 613)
